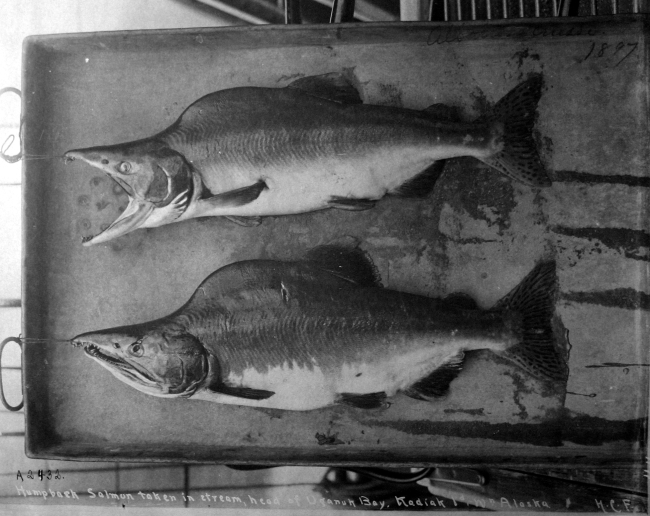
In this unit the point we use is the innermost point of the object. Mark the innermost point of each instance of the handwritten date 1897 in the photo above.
(622, 49)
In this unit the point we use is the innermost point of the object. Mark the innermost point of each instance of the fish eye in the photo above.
(136, 349)
(124, 167)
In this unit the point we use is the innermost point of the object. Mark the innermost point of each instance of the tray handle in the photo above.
(10, 139)
(12, 408)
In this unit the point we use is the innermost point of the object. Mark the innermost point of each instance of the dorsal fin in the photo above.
(330, 86)
(344, 259)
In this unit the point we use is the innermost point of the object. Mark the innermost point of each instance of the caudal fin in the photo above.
(516, 114)
(533, 299)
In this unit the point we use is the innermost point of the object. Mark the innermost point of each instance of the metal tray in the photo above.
(478, 233)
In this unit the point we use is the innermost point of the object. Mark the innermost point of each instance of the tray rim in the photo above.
(609, 23)
(341, 34)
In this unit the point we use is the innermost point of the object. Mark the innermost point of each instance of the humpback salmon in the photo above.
(250, 152)
(322, 331)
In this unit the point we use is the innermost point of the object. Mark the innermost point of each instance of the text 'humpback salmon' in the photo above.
(249, 152)
(322, 331)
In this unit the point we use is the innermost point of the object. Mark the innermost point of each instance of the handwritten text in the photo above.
(439, 36)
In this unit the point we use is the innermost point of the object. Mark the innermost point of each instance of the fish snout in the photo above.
(71, 155)
(90, 157)
(89, 339)
(81, 342)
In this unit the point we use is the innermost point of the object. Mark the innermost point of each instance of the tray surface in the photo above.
(478, 233)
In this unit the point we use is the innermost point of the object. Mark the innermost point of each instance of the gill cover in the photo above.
(165, 363)
(157, 179)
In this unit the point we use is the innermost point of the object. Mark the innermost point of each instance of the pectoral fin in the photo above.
(241, 392)
(171, 211)
(238, 197)
(135, 214)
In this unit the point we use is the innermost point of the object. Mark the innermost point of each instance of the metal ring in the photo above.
(2, 394)
(15, 157)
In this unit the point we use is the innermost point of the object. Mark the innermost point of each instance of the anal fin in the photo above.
(422, 184)
(238, 197)
(350, 203)
(242, 392)
(436, 384)
(371, 400)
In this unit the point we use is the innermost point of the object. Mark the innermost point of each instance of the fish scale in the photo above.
(365, 315)
(308, 334)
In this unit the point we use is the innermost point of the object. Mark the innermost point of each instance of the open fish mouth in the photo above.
(133, 217)
(139, 208)
(116, 364)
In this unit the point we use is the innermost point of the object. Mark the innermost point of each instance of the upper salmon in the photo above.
(250, 152)
(321, 331)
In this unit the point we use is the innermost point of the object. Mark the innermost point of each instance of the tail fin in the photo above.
(516, 113)
(533, 299)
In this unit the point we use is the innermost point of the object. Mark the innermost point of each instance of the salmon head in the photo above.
(163, 363)
(157, 179)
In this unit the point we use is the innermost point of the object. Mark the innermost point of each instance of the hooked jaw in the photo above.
(157, 180)
(158, 363)
(136, 212)
(104, 350)
(133, 217)
(118, 366)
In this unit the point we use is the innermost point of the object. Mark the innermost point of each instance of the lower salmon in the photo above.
(322, 331)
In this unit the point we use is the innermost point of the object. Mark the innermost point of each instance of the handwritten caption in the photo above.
(313, 501)
(620, 50)
(622, 505)
(440, 36)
